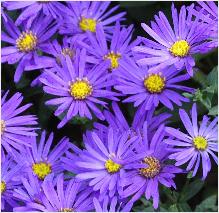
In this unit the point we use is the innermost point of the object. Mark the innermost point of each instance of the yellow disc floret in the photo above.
(111, 166)
(88, 24)
(154, 83)
(153, 167)
(3, 186)
(66, 210)
(2, 126)
(27, 41)
(180, 48)
(200, 143)
(113, 57)
(80, 89)
(41, 169)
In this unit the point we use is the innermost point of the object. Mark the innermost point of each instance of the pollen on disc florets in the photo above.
(180, 48)
(66, 210)
(2, 126)
(41, 169)
(80, 89)
(114, 59)
(27, 41)
(200, 143)
(153, 167)
(67, 51)
(3, 187)
(88, 24)
(154, 83)
(111, 166)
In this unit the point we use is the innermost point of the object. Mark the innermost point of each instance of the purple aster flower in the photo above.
(112, 205)
(40, 159)
(4, 15)
(120, 45)
(148, 168)
(149, 89)
(173, 46)
(25, 43)
(118, 122)
(29, 191)
(102, 162)
(32, 10)
(64, 196)
(86, 16)
(210, 17)
(15, 128)
(55, 50)
(197, 145)
(78, 87)
(9, 171)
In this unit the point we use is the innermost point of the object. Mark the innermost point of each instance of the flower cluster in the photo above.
(87, 62)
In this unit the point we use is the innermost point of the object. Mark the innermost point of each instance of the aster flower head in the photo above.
(87, 15)
(54, 49)
(15, 127)
(149, 89)
(148, 168)
(112, 205)
(9, 171)
(197, 145)
(58, 50)
(62, 196)
(210, 18)
(31, 10)
(119, 48)
(102, 161)
(29, 191)
(40, 159)
(26, 42)
(117, 121)
(173, 46)
(79, 88)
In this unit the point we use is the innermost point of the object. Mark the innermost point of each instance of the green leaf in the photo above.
(189, 175)
(213, 110)
(173, 208)
(184, 207)
(188, 95)
(201, 78)
(212, 79)
(206, 101)
(209, 204)
(79, 120)
(190, 190)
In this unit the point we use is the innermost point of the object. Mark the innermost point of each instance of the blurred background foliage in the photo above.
(192, 194)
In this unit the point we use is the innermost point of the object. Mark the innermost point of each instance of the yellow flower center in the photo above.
(41, 169)
(180, 48)
(80, 89)
(200, 143)
(2, 126)
(88, 24)
(3, 186)
(153, 167)
(154, 83)
(113, 57)
(111, 166)
(66, 210)
(27, 41)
